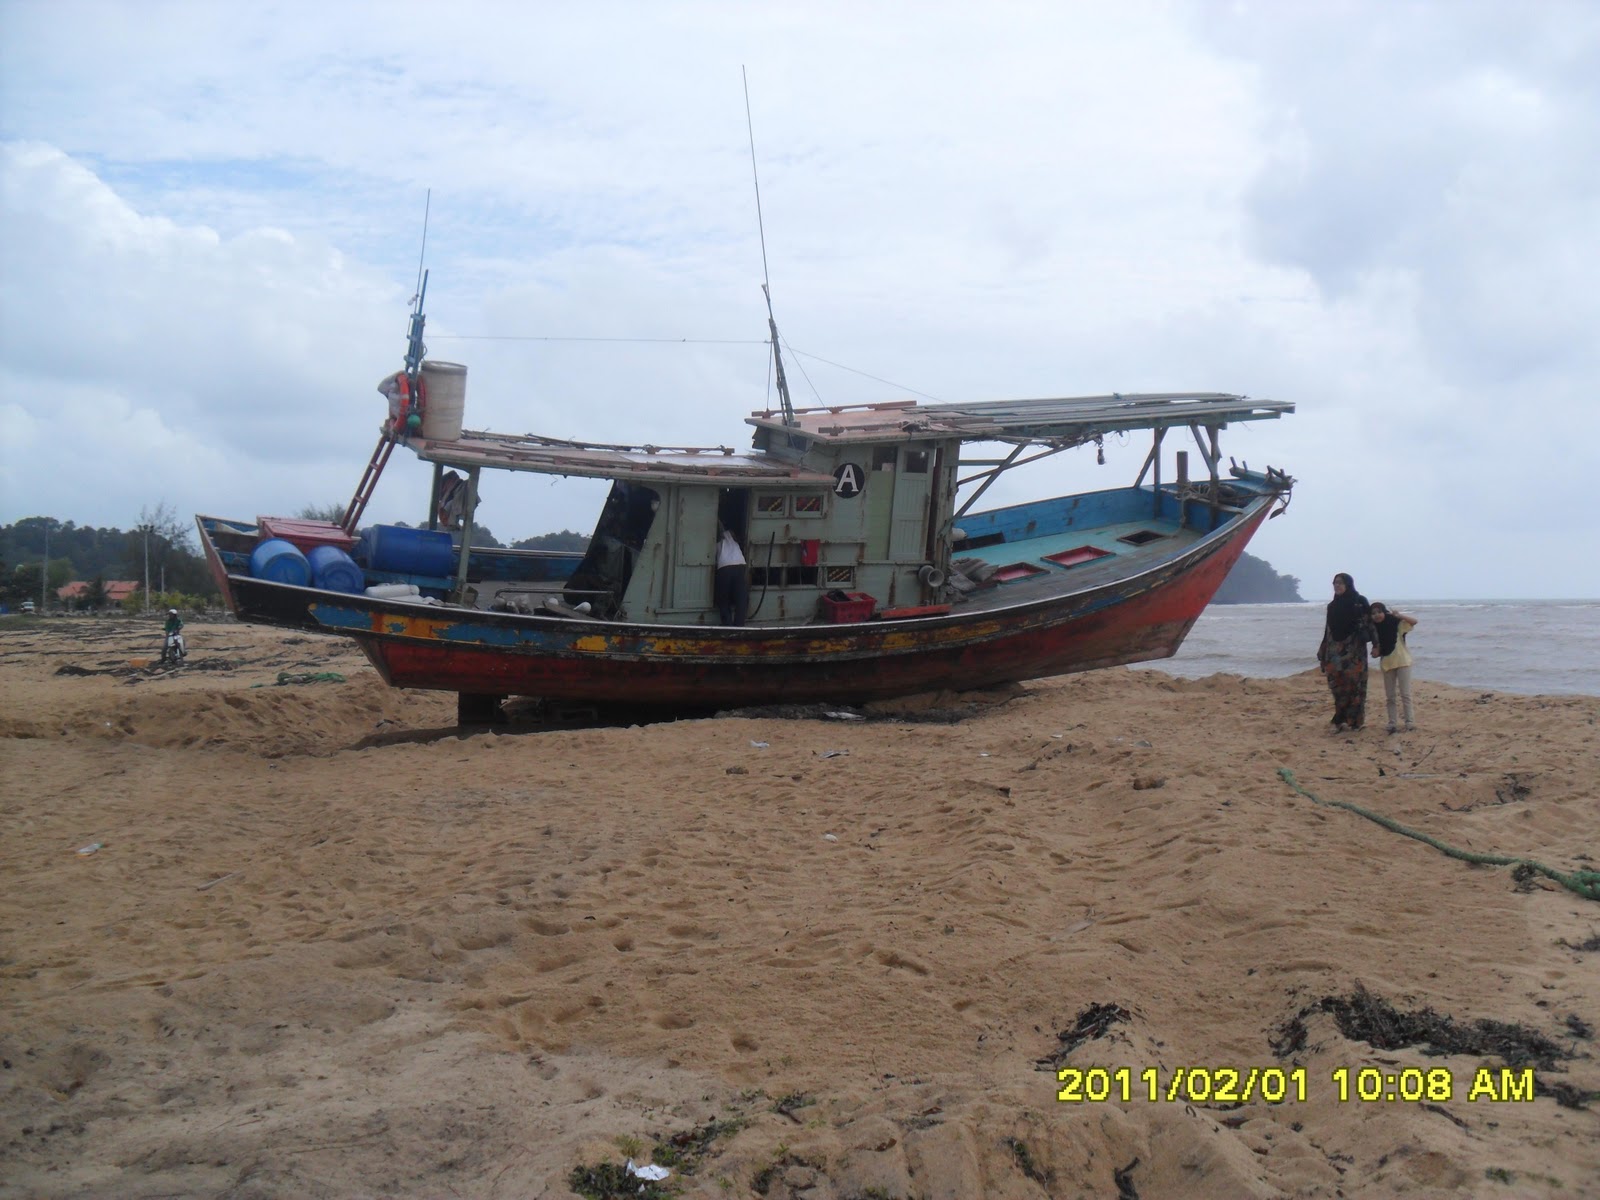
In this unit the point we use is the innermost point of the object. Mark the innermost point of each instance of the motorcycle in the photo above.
(173, 650)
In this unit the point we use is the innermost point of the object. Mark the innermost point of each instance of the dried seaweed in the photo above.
(1363, 1017)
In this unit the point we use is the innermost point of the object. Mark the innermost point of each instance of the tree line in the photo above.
(39, 555)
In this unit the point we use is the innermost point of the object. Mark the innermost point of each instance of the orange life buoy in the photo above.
(406, 398)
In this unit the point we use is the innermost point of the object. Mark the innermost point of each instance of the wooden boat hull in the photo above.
(1134, 619)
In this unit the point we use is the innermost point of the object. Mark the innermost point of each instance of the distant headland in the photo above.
(1253, 581)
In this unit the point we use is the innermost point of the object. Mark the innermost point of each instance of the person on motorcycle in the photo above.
(172, 645)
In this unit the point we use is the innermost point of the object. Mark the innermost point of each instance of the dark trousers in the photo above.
(733, 594)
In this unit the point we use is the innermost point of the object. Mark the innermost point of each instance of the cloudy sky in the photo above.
(211, 220)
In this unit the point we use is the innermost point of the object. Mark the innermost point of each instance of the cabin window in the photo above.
(916, 462)
(840, 577)
(783, 577)
(883, 458)
(808, 506)
(1079, 554)
(772, 505)
(1142, 537)
(982, 540)
(1017, 570)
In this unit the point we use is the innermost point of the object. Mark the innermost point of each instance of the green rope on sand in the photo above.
(284, 677)
(1584, 883)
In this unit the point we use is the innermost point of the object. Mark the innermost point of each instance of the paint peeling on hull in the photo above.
(788, 666)
(1130, 620)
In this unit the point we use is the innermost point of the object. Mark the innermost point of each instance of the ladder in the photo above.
(369, 481)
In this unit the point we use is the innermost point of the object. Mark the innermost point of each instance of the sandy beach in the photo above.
(305, 938)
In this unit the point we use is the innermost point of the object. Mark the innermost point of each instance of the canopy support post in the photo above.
(1216, 484)
(1155, 460)
(1183, 488)
(992, 476)
(466, 535)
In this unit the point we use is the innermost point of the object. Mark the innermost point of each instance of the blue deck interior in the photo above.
(1100, 520)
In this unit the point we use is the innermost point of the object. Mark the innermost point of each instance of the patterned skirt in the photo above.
(1345, 665)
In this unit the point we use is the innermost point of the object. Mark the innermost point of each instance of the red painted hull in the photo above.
(1133, 621)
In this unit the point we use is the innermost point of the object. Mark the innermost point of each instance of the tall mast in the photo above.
(777, 362)
(766, 289)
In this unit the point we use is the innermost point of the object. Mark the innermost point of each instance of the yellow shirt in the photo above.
(1401, 656)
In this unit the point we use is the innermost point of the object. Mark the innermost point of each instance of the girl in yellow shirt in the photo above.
(1395, 660)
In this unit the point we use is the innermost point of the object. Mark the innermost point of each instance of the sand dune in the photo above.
(327, 947)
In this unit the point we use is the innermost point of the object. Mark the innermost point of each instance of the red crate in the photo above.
(305, 535)
(857, 606)
(914, 610)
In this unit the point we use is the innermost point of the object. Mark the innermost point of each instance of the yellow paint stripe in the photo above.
(429, 628)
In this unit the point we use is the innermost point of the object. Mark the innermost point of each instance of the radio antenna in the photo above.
(766, 281)
(414, 347)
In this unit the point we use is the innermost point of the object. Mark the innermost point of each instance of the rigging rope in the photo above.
(686, 341)
(1584, 883)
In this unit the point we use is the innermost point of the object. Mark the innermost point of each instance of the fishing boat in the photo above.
(869, 572)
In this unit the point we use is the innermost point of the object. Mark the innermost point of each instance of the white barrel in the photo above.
(444, 400)
(392, 591)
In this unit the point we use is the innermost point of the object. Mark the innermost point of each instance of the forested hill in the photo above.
(1253, 581)
(161, 548)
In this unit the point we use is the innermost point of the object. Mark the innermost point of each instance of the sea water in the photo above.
(1538, 647)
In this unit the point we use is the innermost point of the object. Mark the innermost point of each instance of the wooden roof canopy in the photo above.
(1059, 422)
(1048, 420)
(557, 456)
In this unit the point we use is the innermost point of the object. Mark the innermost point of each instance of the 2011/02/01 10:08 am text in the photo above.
(1275, 1085)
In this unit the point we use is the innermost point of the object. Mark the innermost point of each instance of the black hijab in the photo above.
(1347, 611)
(1388, 631)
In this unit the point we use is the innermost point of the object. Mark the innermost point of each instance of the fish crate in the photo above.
(306, 535)
(844, 608)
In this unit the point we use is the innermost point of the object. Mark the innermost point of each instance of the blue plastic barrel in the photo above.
(407, 551)
(335, 571)
(280, 562)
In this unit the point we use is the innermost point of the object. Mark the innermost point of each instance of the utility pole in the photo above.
(44, 569)
(146, 529)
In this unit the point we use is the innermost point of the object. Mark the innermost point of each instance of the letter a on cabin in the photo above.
(847, 481)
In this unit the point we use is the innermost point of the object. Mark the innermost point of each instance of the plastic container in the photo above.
(333, 570)
(278, 561)
(406, 551)
(393, 591)
(444, 400)
(856, 606)
(306, 534)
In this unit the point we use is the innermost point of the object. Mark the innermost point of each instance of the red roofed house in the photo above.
(117, 590)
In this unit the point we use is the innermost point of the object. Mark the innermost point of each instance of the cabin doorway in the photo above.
(733, 512)
(913, 491)
(614, 548)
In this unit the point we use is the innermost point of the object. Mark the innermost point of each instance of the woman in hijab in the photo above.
(1343, 653)
(1394, 659)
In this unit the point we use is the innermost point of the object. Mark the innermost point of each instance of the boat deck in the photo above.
(1088, 556)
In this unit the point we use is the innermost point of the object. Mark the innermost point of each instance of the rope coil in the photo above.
(1584, 883)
